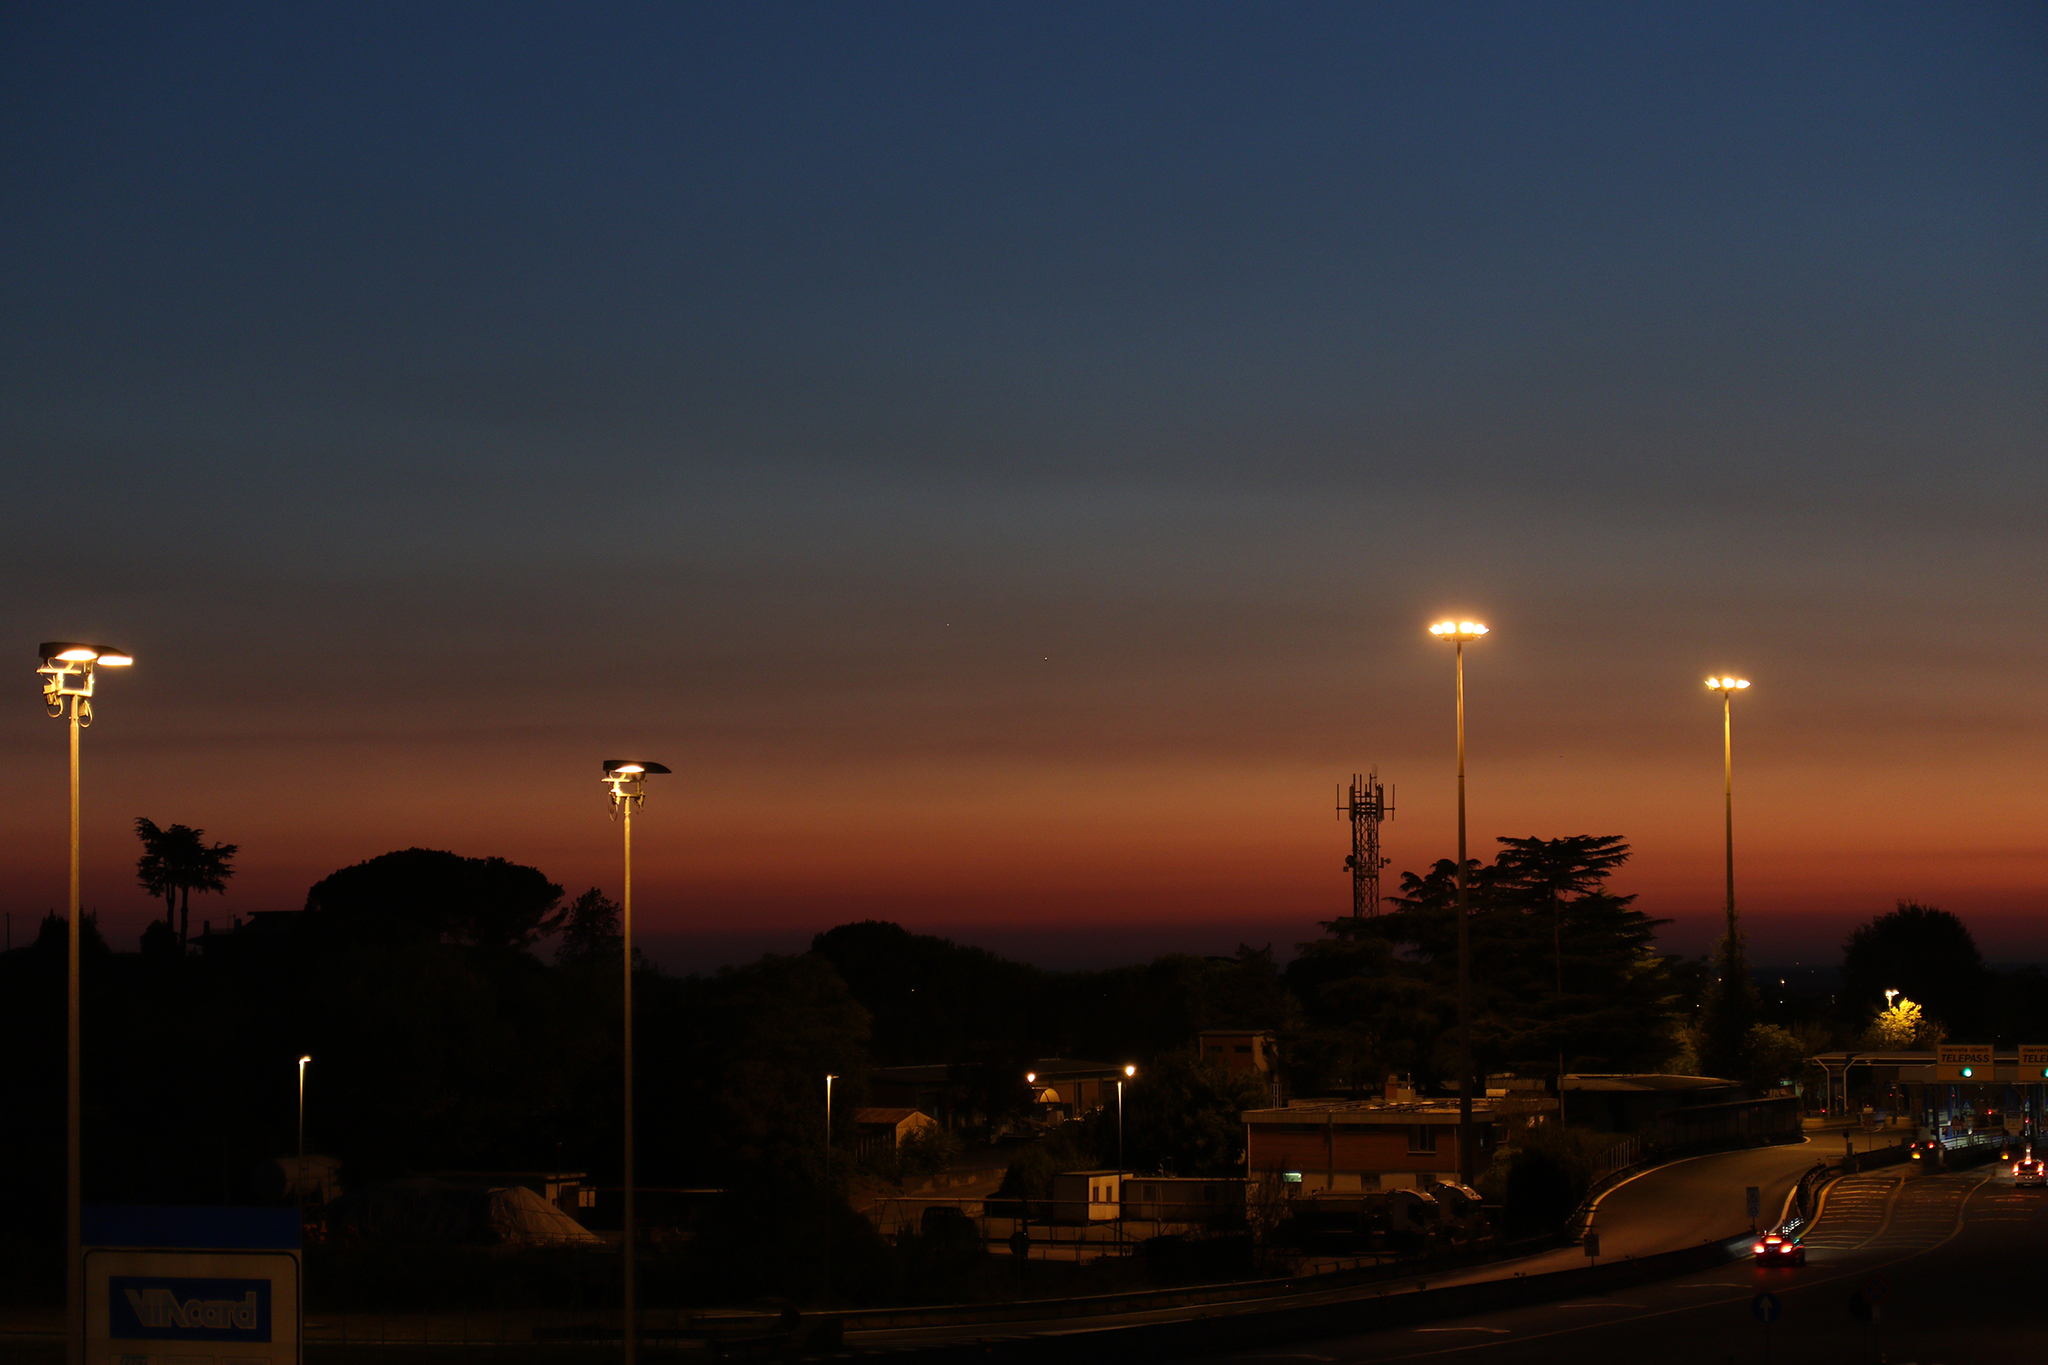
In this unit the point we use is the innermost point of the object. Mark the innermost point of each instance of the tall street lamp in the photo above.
(1459, 633)
(302, 1131)
(1728, 687)
(67, 672)
(625, 782)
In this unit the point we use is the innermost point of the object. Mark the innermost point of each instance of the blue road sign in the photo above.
(1765, 1308)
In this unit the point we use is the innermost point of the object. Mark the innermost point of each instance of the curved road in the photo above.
(1667, 1208)
(1954, 1257)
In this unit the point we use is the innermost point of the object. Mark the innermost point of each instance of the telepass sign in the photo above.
(1963, 1062)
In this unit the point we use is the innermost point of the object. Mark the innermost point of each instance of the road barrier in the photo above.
(1217, 1333)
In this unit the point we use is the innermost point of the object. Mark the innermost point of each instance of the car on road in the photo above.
(1773, 1250)
(2030, 1173)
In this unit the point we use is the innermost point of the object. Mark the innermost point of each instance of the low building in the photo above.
(1237, 1050)
(926, 1088)
(1087, 1196)
(564, 1189)
(1629, 1103)
(1183, 1200)
(1075, 1087)
(294, 1180)
(880, 1130)
(1358, 1145)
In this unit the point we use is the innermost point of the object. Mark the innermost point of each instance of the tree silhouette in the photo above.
(425, 894)
(175, 862)
(1924, 952)
(1548, 870)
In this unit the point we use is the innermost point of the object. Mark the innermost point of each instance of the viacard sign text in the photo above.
(147, 1308)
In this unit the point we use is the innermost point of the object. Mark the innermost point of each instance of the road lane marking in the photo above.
(1497, 1331)
(1814, 1283)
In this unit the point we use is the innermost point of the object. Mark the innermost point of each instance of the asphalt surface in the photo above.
(1667, 1208)
(1955, 1259)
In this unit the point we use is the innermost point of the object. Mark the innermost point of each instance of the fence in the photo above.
(1734, 1123)
(1619, 1157)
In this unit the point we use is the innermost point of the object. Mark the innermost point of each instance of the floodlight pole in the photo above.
(74, 1185)
(67, 673)
(1728, 803)
(626, 937)
(1458, 632)
(1466, 1165)
(625, 781)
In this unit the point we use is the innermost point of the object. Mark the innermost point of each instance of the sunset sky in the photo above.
(1005, 458)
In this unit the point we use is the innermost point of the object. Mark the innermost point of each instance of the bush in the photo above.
(1541, 1180)
(926, 1151)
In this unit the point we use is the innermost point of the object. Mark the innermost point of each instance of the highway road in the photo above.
(1956, 1258)
(1666, 1208)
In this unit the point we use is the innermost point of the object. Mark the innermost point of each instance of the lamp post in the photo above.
(1459, 633)
(827, 1183)
(625, 781)
(1129, 1072)
(302, 1131)
(1728, 687)
(67, 672)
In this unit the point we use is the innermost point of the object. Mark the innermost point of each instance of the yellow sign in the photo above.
(1969, 1062)
(2033, 1062)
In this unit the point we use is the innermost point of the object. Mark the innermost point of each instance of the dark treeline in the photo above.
(463, 1014)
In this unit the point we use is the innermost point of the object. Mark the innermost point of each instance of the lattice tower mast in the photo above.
(1367, 805)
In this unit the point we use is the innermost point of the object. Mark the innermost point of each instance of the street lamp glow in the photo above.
(1130, 1071)
(1727, 684)
(1457, 630)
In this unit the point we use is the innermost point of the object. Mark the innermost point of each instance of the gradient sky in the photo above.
(1004, 458)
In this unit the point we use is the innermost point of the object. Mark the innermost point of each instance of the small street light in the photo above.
(625, 782)
(67, 671)
(1459, 633)
(829, 1078)
(302, 1131)
(1129, 1072)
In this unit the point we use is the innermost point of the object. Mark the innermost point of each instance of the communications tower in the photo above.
(1367, 805)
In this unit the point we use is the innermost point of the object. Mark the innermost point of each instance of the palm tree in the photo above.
(175, 862)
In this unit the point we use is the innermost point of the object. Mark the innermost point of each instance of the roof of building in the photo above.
(1645, 1082)
(1901, 1056)
(1428, 1111)
(1045, 1068)
(891, 1117)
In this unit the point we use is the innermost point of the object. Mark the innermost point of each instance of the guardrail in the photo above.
(1265, 1327)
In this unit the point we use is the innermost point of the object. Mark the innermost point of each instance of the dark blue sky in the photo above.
(1007, 453)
